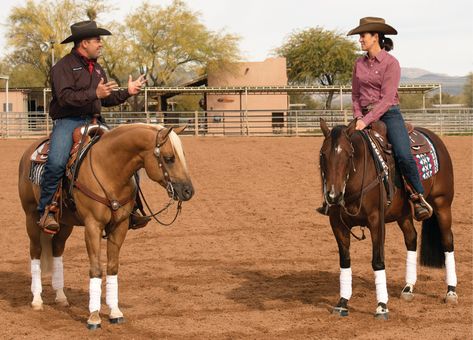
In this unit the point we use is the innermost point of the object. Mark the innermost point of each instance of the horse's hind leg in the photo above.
(410, 239)
(57, 277)
(34, 234)
(444, 219)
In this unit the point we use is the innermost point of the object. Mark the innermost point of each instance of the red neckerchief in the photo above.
(90, 62)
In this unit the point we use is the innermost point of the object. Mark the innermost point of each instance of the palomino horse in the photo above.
(348, 174)
(108, 171)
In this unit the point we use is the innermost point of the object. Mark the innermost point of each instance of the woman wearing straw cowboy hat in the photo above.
(375, 82)
(79, 89)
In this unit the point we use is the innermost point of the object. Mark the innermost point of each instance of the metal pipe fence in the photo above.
(458, 121)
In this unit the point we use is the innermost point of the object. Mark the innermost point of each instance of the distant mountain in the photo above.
(450, 84)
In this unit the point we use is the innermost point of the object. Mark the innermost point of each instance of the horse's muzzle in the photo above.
(183, 191)
(333, 198)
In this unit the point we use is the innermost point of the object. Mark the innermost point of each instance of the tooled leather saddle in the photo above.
(83, 138)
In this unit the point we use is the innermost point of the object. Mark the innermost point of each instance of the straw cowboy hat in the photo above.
(372, 24)
(85, 29)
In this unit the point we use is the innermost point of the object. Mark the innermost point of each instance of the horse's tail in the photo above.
(431, 249)
(46, 254)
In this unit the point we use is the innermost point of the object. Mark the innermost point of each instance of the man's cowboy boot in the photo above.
(48, 223)
(323, 209)
(137, 222)
(422, 209)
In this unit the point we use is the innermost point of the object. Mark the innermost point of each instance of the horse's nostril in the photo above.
(188, 192)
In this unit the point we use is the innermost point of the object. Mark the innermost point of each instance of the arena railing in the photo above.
(457, 121)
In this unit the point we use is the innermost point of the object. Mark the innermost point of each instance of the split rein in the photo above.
(114, 205)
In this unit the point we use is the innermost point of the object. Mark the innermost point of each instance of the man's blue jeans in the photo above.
(61, 143)
(399, 139)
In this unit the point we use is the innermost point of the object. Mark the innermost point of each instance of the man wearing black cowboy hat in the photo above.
(79, 90)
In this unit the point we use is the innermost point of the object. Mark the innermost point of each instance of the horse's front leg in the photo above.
(342, 235)
(93, 236)
(377, 231)
(114, 243)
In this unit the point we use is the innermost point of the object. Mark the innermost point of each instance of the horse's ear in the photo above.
(324, 127)
(163, 134)
(179, 129)
(351, 128)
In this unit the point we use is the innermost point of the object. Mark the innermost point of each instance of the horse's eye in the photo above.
(169, 159)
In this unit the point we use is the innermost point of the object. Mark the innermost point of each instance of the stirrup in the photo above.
(137, 222)
(48, 223)
(422, 209)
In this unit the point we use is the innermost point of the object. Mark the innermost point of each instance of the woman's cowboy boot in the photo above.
(422, 209)
(323, 209)
(48, 222)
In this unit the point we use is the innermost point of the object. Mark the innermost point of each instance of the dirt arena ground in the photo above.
(248, 258)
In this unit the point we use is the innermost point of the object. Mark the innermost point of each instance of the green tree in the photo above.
(319, 56)
(37, 23)
(166, 40)
(468, 90)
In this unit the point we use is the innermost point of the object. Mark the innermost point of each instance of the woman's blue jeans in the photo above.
(59, 149)
(399, 139)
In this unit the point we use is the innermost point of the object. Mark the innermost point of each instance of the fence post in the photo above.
(196, 123)
(297, 123)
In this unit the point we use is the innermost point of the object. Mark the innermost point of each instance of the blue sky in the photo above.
(433, 35)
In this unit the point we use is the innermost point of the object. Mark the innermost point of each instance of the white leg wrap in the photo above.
(112, 291)
(381, 289)
(95, 292)
(57, 277)
(451, 278)
(36, 287)
(411, 267)
(345, 283)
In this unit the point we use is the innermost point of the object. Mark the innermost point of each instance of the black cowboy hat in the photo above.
(85, 29)
(372, 24)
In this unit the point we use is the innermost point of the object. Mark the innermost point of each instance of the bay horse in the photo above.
(349, 179)
(107, 170)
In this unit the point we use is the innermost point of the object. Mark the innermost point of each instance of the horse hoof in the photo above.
(407, 296)
(116, 321)
(93, 326)
(36, 306)
(62, 303)
(451, 298)
(407, 293)
(340, 311)
(382, 316)
(382, 312)
(94, 321)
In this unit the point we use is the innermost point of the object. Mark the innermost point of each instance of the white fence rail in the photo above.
(458, 121)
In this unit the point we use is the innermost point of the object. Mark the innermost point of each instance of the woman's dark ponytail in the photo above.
(385, 43)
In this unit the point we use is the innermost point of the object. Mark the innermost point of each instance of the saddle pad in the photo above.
(40, 155)
(36, 172)
(427, 163)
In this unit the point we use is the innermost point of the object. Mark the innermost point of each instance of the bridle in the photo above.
(341, 204)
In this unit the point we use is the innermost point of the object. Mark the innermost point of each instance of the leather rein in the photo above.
(115, 204)
(359, 194)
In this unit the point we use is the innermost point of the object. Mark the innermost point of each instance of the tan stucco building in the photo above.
(230, 112)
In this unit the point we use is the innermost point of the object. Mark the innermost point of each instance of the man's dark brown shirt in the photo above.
(73, 88)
